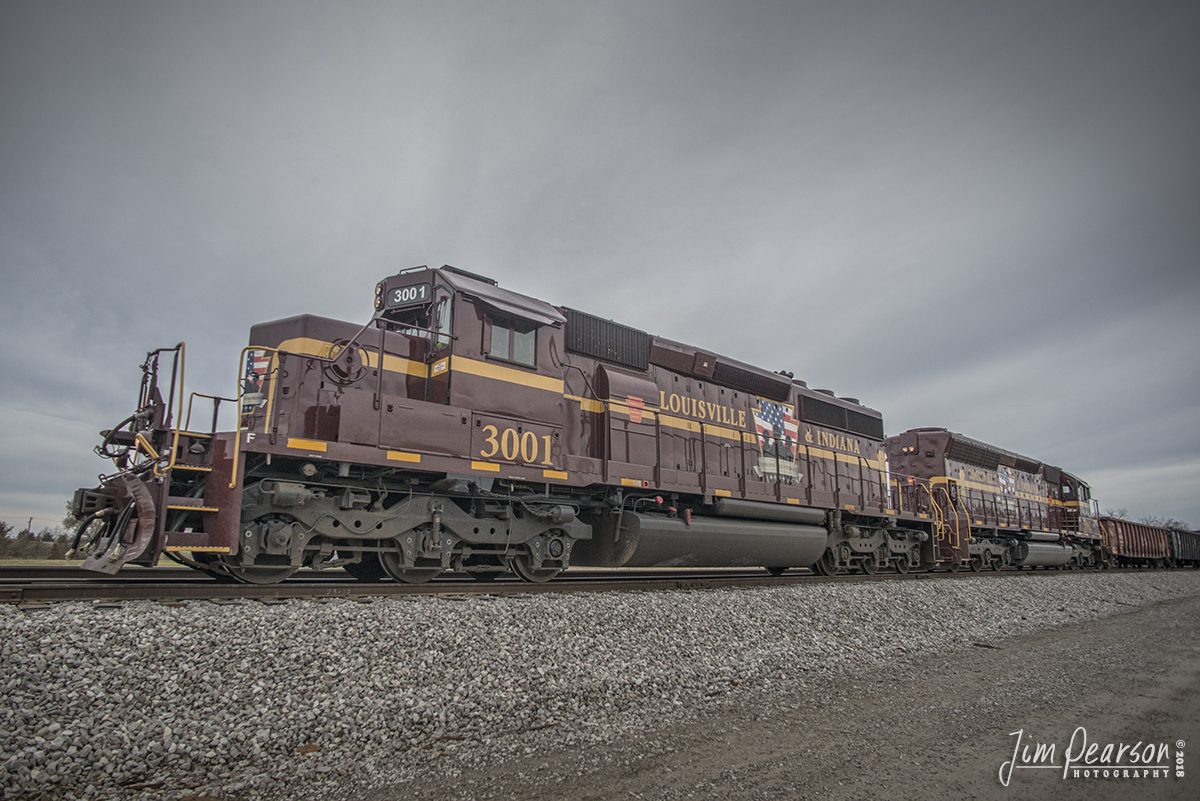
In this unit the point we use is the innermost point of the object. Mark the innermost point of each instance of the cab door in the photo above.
(438, 358)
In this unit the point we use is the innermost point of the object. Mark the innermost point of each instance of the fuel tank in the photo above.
(646, 540)
(1037, 554)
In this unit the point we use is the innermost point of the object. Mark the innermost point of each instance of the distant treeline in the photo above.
(49, 543)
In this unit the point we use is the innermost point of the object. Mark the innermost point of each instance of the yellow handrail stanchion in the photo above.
(145, 445)
(241, 387)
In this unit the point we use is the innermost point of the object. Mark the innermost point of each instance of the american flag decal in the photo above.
(775, 421)
(778, 433)
(258, 362)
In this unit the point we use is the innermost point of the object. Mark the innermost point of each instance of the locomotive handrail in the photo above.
(141, 442)
(404, 328)
(917, 484)
(182, 350)
(957, 519)
(237, 436)
(946, 518)
(935, 511)
(586, 381)
(150, 380)
(187, 425)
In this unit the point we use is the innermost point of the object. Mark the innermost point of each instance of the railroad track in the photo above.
(33, 585)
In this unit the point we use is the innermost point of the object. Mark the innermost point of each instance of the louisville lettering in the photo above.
(702, 410)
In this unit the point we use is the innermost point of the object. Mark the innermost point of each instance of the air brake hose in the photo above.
(87, 521)
(102, 448)
(122, 523)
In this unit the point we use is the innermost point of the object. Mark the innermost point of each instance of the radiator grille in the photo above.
(604, 339)
(733, 377)
(822, 413)
(864, 424)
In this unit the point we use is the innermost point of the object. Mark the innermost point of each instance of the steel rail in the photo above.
(35, 592)
(172, 573)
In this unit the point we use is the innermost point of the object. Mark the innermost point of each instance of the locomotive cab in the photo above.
(1080, 512)
(416, 305)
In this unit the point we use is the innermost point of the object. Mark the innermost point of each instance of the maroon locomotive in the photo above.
(466, 427)
(994, 508)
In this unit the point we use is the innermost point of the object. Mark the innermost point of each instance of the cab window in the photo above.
(417, 317)
(441, 323)
(512, 340)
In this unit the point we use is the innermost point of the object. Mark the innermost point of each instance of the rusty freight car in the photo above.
(468, 427)
(990, 507)
(1130, 544)
(1185, 548)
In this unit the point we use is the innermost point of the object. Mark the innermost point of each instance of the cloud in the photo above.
(978, 216)
(44, 457)
(1150, 490)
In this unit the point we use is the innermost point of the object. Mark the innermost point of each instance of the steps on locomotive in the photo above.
(184, 503)
(188, 477)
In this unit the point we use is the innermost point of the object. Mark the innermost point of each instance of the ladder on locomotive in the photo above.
(186, 474)
(184, 457)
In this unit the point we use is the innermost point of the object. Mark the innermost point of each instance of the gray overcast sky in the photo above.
(983, 216)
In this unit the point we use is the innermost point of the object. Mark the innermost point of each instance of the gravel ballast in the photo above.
(311, 699)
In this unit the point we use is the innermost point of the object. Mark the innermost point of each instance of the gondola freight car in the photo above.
(1130, 544)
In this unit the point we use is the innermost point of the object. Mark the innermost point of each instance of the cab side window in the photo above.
(441, 320)
(512, 340)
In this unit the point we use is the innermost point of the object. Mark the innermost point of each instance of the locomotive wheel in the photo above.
(903, 565)
(368, 569)
(409, 575)
(829, 563)
(521, 566)
(870, 564)
(260, 574)
(995, 565)
(976, 564)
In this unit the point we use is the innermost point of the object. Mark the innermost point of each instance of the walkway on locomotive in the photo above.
(479, 380)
